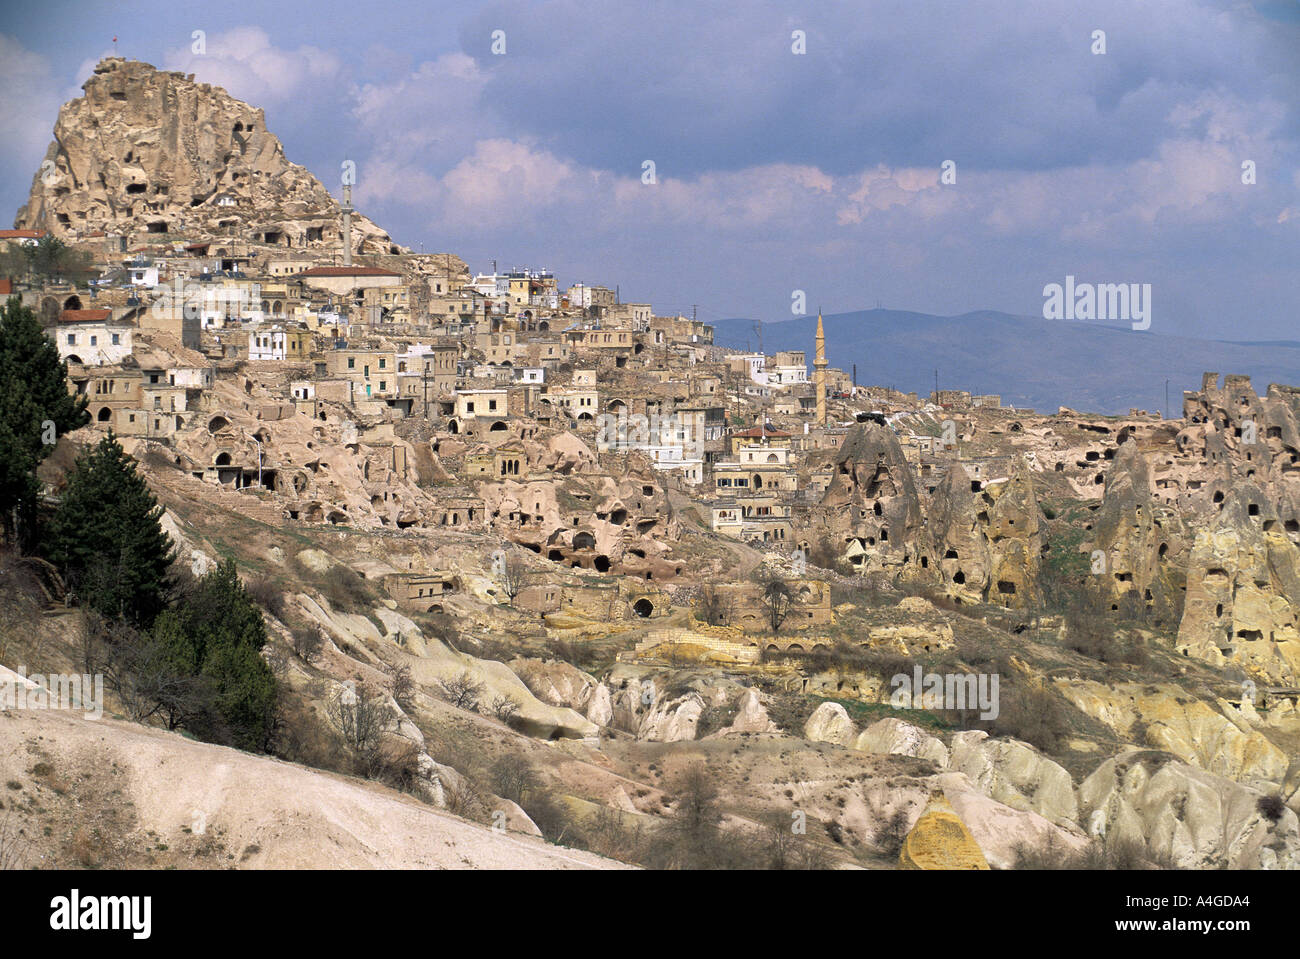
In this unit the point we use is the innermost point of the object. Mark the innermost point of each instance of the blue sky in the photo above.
(775, 171)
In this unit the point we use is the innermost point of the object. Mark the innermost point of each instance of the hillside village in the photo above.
(662, 548)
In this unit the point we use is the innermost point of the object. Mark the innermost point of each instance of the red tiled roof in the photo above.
(6, 286)
(84, 316)
(21, 234)
(347, 271)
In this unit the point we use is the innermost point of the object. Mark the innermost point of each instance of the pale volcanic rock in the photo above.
(751, 716)
(1014, 773)
(830, 723)
(1002, 831)
(872, 503)
(987, 542)
(671, 720)
(1188, 728)
(1143, 542)
(280, 815)
(1242, 582)
(1193, 817)
(152, 151)
(890, 736)
(435, 662)
(600, 708)
(555, 681)
(642, 707)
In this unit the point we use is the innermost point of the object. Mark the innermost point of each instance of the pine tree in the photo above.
(33, 397)
(227, 632)
(106, 539)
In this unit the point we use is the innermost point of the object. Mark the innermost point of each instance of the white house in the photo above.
(267, 343)
(93, 337)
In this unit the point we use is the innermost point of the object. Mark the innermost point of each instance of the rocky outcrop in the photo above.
(1242, 582)
(1185, 815)
(871, 510)
(893, 737)
(830, 723)
(641, 706)
(987, 542)
(1142, 542)
(1165, 717)
(751, 716)
(1004, 833)
(1015, 774)
(147, 151)
(940, 840)
(433, 662)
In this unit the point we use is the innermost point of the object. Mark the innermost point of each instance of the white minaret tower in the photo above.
(347, 224)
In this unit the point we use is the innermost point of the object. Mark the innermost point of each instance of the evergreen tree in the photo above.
(33, 395)
(49, 258)
(106, 539)
(226, 633)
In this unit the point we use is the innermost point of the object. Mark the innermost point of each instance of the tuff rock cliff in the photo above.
(152, 151)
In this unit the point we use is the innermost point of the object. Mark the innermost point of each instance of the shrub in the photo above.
(462, 691)
(1034, 714)
(263, 591)
(505, 708)
(345, 589)
(361, 719)
(307, 643)
(512, 777)
(547, 813)
(1271, 807)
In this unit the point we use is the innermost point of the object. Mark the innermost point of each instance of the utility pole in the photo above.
(936, 386)
(1166, 413)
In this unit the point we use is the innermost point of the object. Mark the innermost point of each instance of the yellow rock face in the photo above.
(940, 840)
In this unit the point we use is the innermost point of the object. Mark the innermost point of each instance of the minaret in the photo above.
(347, 225)
(819, 372)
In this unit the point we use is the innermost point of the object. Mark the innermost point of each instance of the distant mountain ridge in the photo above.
(1029, 362)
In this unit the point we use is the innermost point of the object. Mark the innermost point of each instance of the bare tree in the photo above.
(307, 643)
(505, 708)
(21, 595)
(513, 777)
(361, 718)
(463, 797)
(777, 597)
(462, 691)
(401, 686)
(511, 574)
(149, 679)
(698, 809)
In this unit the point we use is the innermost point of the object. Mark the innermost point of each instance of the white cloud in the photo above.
(28, 108)
(250, 67)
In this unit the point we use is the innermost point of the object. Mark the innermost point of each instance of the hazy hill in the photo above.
(1031, 362)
